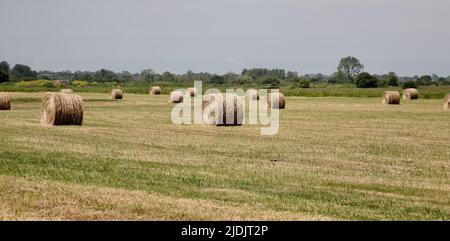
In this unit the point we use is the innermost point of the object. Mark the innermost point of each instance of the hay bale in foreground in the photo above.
(274, 98)
(116, 94)
(446, 102)
(61, 109)
(192, 92)
(155, 90)
(5, 101)
(410, 94)
(223, 109)
(176, 96)
(252, 94)
(391, 98)
(67, 91)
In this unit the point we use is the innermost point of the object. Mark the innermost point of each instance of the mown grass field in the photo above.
(336, 158)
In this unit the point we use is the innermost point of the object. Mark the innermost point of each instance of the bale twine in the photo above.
(391, 98)
(116, 94)
(176, 96)
(67, 91)
(274, 98)
(446, 102)
(192, 92)
(223, 109)
(410, 94)
(61, 109)
(252, 94)
(5, 101)
(155, 90)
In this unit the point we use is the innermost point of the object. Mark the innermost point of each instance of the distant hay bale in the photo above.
(223, 109)
(192, 92)
(5, 101)
(61, 109)
(155, 90)
(67, 91)
(274, 98)
(410, 94)
(252, 94)
(391, 98)
(116, 94)
(446, 102)
(176, 96)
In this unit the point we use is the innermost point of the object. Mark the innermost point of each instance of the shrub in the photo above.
(35, 83)
(80, 83)
(409, 84)
(304, 83)
(365, 80)
(271, 82)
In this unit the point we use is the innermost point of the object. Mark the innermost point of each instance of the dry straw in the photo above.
(446, 102)
(67, 91)
(155, 90)
(410, 94)
(5, 101)
(252, 94)
(192, 92)
(116, 94)
(223, 109)
(275, 98)
(61, 109)
(391, 98)
(176, 96)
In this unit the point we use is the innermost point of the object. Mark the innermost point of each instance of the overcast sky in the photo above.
(406, 36)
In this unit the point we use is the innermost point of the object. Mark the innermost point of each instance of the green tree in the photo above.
(4, 77)
(392, 79)
(337, 78)
(4, 71)
(20, 72)
(217, 79)
(365, 80)
(304, 83)
(168, 77)
(425, 80)
(271, 82)
(147, 75)
(349, 67)
(410, 84)
(4, 66)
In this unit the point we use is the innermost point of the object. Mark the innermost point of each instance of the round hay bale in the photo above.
(192, 92)
(61, 109)
(116, 94)
(273, 98)
(410, 94)
(446, 102)
(176, 96)
(155, 90)
(5, 101)
(231, 113)
(252, 94)
(391, 98)
(67, 91)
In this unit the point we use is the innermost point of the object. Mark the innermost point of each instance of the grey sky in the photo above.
(406, 36)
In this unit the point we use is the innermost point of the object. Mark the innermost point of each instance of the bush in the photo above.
(409, 84)
(271, 82)
(365, 80)
(80, 83)
(4, 77)
(35, 83)
(392, 80)
(304, 83)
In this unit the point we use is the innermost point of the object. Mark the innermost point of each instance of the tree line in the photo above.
(349, 71)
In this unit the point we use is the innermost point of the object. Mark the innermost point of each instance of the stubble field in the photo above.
(334, 158)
